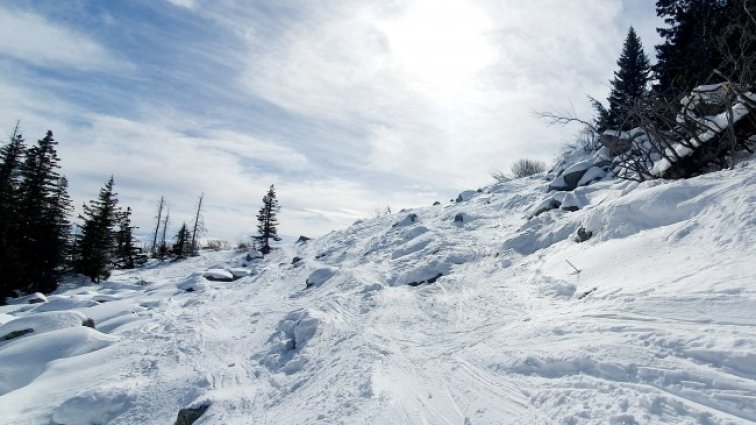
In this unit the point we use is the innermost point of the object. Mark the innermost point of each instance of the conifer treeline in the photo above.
(36, 240)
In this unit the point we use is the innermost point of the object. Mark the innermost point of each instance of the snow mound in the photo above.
(34, 298)
(320, 276)
(192, 284)
(287, 345)
(95, 407)
(42, 322)
(23, 360)
(60, 303)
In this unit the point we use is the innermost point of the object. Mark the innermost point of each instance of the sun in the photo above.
(441, 45)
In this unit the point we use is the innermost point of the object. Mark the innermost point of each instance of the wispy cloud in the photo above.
(346, 106)
(31, 38)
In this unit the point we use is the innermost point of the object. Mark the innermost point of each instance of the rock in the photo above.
(429, 280)
(304, 239)
(218, 275)
(295, 260)
(459, 218)
(406, 221)
(571, 208)
(254, 254)
(320, 276)
(189, 415)
(239, 272)
(88, 322)
(16, 334)
(591, 175)
(570, 178)
(547, 205)
(466, 195)
(436, 203)
(35, 298)
(583, 235)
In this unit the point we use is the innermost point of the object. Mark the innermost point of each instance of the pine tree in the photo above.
(59, 242)
(43, 210)
(96, 241)
(125, 251)
(629, 83)
(182, 246)
(11, 160)
(267, 222)
(690, 51)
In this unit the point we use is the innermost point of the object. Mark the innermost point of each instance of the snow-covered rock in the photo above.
(42, 322)
(466, 195)
(320, 276)
(219, 275)
(33, 298)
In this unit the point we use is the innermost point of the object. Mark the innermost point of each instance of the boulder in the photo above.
(35, 298)
(459, 218)
(189, 415)
(406, 221)
(583, 235)
(218, 275)
(320, 276)
(466, 195)
(304, 239)
(570, 178)
(240, 272)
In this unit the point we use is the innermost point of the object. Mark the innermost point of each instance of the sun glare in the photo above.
(442, 45)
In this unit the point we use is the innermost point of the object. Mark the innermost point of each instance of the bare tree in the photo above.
(198, 227)
(159, 219)
(500, 177)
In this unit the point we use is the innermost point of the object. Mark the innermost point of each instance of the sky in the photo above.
(345, 106)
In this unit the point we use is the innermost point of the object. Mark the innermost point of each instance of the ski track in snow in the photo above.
(502, 337)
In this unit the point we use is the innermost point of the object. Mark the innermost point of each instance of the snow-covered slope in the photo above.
(464, 314)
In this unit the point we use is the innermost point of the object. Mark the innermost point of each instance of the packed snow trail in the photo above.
(508, 334)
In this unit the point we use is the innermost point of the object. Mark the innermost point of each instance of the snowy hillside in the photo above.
(463, 314)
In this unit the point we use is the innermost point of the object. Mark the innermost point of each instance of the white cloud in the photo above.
(31, 38)
(387, 103)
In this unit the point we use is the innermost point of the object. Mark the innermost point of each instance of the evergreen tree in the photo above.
(43, 223)
(124, 241)
(59, 237)
(183, 240)
(691, 49)
(267, 222)
(11, 160)
(629, 83)
(96, 241)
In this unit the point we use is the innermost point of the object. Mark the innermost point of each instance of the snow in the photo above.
(432, 321)
(320, 275)
(32, 298)
(218, 274)
(42, 322)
